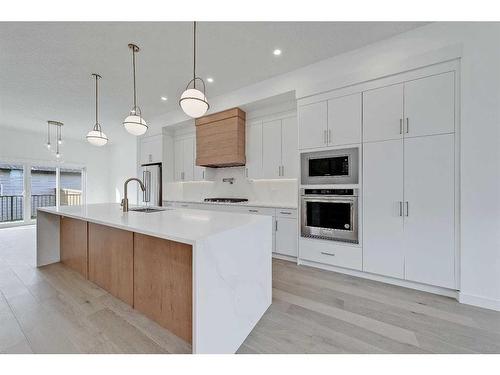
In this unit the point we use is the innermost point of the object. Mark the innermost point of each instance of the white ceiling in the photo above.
(45, 67)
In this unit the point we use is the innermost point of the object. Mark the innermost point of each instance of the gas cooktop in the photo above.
(226, 200)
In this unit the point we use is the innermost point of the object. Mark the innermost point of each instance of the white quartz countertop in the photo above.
(249, 203)
(176, 224)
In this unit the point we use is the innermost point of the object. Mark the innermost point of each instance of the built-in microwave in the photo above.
(329, 167)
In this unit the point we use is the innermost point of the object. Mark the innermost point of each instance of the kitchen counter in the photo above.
(249, 203)
(230, 288)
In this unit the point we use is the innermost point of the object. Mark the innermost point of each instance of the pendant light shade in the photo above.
(96, 137)
(134, 123)
(194, 101)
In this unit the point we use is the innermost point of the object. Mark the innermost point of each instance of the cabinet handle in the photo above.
(407, 209)
(184, 205)
(279, 170)
(182, 175)
(276, 225)
(400, 126)
(246, 172)
(285, 213)
(330, 254)
(253, 210)
(407, 125)
(329, 136)
(400, 208)
(203, 175)
(150, 157)
(324, 137)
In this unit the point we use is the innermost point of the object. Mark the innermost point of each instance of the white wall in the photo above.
(24, 146)
(478, 46)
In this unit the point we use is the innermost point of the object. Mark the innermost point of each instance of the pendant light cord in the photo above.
(96, 100)
(194, 54)
(133, 64)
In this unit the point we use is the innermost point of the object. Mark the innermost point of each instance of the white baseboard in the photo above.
(479, 301)
(384, 279)
(285, 257)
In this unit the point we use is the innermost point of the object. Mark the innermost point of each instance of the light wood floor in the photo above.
(54, 310)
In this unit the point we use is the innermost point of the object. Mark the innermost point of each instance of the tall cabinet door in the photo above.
(383, 113)
(430, 105)
(188, 161)
(254, 149)
(429, 216)
(178, 159)
(271, 149)
(382, 208)
(313, 124)
(289, 148)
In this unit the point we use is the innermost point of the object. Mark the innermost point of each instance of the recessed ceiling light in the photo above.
(277, 52)
(164, 98)
(210, 79)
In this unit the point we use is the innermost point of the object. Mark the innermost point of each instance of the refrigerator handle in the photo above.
(146, 177)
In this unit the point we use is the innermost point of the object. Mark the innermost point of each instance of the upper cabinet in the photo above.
(254, 149)
(344, 120)
(383, 113)
(330, 123)
(429, 105)
(424, 106)
(279, 148)
(184, 159)
(313, 124)
(220, 139)
(151, 149)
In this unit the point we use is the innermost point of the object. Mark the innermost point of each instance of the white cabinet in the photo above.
(313, 123)
(409, 217)
(254, 149)
(151, 149)
(286, 232)
(430, 105)
(429, 215)
(184, 159)
(344, 120)
(279, 148)
(330, 123)
(383, 113)
(289, 148)
(383, 251)
(271, 149)
(424, 106)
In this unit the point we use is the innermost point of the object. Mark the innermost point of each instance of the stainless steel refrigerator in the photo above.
(151, 176)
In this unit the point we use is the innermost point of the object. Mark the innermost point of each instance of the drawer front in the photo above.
(330, 253)
(285, 212)
(257, 210)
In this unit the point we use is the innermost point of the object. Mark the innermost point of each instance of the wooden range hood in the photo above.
(220, 139)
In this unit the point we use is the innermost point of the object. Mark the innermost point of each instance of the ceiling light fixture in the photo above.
(210, 80)
(277, 52)
(193, 101)
(58, 126)
(96, 137)
(134, 123)
(164, 98)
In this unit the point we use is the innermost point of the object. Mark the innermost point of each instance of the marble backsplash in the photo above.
(282, 191)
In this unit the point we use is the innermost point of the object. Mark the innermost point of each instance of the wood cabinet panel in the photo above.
(163, 283)
(73, 244)
(110, 260)
(220, 139)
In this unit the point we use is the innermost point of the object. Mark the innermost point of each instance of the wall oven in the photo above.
(330, 167)
(330, 214)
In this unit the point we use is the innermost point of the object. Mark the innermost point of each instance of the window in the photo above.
(25, 187)
(11, 193)
(70, 189)
(43, 188)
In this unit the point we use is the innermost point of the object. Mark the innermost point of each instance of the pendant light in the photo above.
(58, 126)
(96, 137)
(193, 101)
(134, 123)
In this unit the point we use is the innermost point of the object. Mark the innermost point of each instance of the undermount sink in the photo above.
(147, 209)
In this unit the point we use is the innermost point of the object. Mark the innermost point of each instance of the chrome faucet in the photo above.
(124, 203)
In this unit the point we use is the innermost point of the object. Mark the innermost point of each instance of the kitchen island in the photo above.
(203, 275)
